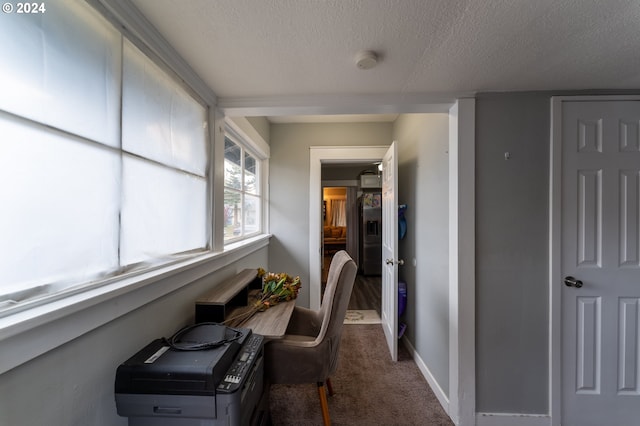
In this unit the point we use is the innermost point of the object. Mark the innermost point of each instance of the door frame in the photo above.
(462, 262)
(555, 247)
(317, 156)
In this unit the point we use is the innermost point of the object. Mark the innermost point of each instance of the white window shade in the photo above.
(163, 211)
(62, 68)
(103, 157)
(60, 201)
(161, 121)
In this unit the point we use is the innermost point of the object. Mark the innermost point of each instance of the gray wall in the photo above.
(423, 181)
(512, 229)
(73, 384)
(261, 125)
(289, 186)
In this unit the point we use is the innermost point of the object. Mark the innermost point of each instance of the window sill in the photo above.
(25, 335)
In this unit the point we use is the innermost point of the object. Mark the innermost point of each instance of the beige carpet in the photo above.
(362, 316)
(369, 388)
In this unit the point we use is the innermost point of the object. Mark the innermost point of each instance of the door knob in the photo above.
(572, 282)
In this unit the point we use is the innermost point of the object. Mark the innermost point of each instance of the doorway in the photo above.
(387, 155)
(365, 156)
(350, 223)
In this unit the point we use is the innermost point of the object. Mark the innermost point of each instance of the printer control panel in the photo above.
(241, 366)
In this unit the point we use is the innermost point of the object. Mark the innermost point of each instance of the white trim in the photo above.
(250, 136)
(555, 246)
(462, 379)
(433, 383)
(31, 333)
(217, 179)
(259, 147)
(339, 104)
(238, 131)
(318, 155)
(555, 312)
(509, 419)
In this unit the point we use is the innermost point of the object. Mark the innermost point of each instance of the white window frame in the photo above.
(240, 142)
(234, 129)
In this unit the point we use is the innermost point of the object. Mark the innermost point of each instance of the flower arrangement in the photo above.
(276, 288)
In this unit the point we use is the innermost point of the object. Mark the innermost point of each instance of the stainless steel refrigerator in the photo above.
(371, 233)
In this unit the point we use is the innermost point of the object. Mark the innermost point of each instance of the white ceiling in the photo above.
(274, 49)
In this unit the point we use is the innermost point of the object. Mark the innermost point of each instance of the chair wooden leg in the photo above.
(323, 404)
(330, 387)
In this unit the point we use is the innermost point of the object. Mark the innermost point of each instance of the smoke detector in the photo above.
(366, 59)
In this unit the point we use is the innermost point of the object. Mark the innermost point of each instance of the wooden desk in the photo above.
(271, 323)
(234, 297)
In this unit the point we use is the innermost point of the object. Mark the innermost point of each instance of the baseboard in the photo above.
(512, 419)
(442, 397)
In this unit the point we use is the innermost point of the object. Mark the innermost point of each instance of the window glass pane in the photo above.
(232, 214)
(242, 199)
(251, 214)
(161, 121)
(164, 211)
(232, 165)
(250, 174)
(60, 201)
(62, 68)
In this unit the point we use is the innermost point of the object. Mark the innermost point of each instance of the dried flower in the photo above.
(277, 288)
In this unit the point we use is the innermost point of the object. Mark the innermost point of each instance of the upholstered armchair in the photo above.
(308, 352)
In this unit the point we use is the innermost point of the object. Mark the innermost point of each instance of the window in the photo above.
(242, 189)
(103, 157)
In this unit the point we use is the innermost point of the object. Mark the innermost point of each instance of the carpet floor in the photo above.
(369, 388)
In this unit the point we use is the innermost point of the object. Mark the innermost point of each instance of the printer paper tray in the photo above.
(173, 406)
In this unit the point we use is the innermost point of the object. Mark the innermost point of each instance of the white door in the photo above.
(600, 263)
(390, 249)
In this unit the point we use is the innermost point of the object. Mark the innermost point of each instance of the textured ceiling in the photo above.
(280, 48)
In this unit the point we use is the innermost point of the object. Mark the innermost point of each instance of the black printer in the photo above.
(205, 375)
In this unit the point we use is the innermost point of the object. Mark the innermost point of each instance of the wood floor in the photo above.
(366, 293)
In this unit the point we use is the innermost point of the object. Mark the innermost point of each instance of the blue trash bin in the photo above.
(402, 297)
(402, 305)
